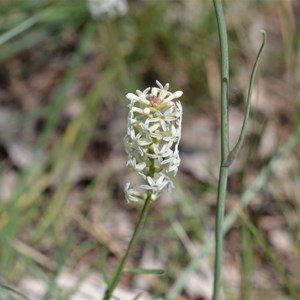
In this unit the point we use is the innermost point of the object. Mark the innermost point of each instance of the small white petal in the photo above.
(146, 187)
(157, 135)
(147, 110)
(178, 94)
(160, 180)
(179, 106)
(141, 166)
(163, 94)
(131, 96)
(145, 92)
(144, 142)
(137, 110)
(154, 91)
(151, 181)
(127, 185)
(159, 84)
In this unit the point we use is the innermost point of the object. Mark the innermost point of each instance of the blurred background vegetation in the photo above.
(64, 71)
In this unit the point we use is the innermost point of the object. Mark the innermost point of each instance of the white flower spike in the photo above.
(153, 135)
(98, 8)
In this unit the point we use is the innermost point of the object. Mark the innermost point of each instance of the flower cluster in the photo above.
(153, 134)
(98, 8)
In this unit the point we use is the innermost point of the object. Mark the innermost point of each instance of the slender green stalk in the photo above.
(118, 271)
(222, 187)
(19, 29)
(8, 288)
(223, 173)
(240, 141)
(227, 156)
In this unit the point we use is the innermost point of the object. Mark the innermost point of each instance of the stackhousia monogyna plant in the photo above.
(151, 142)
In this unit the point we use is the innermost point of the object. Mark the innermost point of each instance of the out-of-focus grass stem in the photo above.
(19, 29)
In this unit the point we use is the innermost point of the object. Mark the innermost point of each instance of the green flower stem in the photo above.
(118, 271)
(223, 173)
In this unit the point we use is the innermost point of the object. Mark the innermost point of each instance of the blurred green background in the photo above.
(64, 71)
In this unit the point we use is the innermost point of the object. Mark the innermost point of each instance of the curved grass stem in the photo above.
(233, 153)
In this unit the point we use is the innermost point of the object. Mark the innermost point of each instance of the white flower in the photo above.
(136, 166)
(100, 7)
(131, 194)
(155, 185)
(163, 90)
(132, 143)
(174, 136)
(153, 135)
(164, 151)
(172, 162)
(164, 118)
(147, 130)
